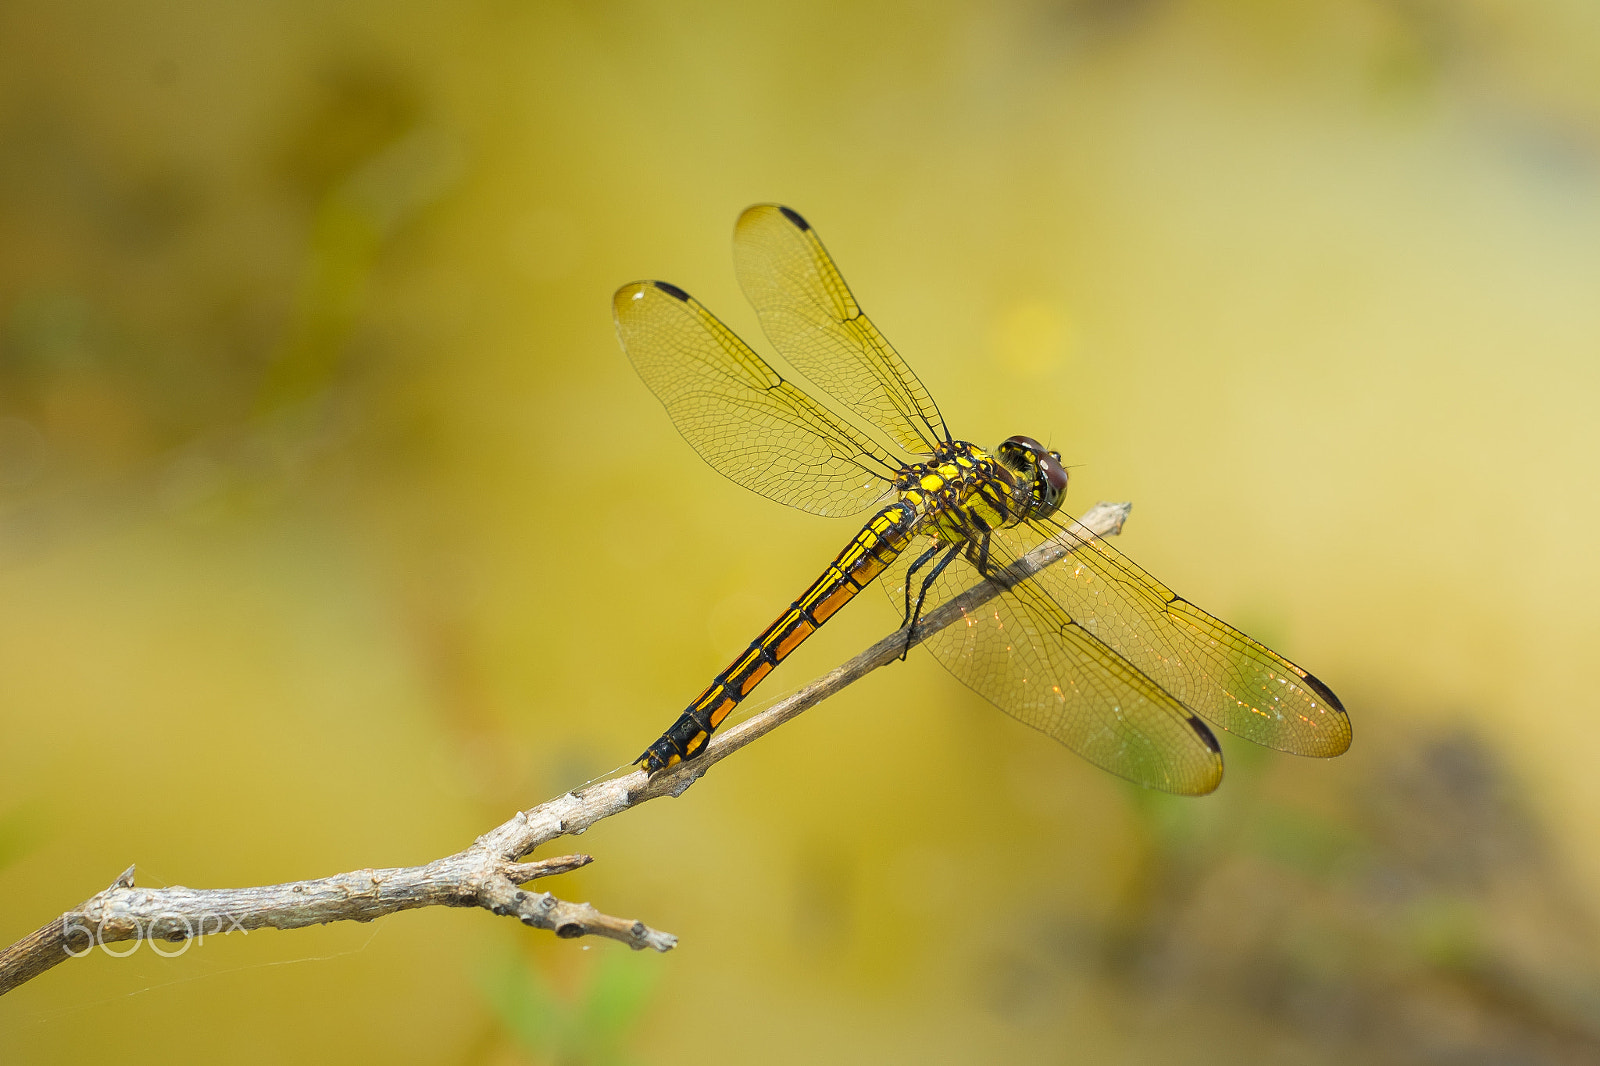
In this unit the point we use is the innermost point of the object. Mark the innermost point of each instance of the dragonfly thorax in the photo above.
(965, 490)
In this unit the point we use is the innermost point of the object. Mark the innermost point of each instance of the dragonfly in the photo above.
(1093, 651)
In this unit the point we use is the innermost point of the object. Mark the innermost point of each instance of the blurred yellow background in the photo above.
(334, 526)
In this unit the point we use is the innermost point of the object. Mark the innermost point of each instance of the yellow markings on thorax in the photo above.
(964, 493)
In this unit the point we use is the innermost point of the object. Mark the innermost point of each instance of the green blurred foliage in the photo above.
(17, 834)
(591, 1027)
(334, 526)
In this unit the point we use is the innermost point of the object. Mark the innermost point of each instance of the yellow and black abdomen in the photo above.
(866, 556)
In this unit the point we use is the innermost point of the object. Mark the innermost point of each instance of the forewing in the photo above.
(815, 323)
(738, 413)
(1024, 654)
(1213, 669)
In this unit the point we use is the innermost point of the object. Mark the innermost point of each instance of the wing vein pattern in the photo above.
(812, 319)
(743, 418)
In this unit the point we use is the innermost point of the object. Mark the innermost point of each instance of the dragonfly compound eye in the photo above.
(1042, 468)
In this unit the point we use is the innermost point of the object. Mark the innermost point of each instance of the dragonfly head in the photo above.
(1039, 470)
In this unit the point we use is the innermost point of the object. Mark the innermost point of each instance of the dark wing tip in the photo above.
(1207, 737)
(1323, 691)
(794, 216)
(671, 290)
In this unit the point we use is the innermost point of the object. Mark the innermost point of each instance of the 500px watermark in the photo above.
(79, 936)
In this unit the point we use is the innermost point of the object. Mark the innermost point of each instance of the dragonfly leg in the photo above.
(982, 561)
(912, 615)
(921, 561)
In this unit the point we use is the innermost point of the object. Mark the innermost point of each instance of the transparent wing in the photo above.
(739, 414)
(1027, 656)
(1213, 669)
(815, 323)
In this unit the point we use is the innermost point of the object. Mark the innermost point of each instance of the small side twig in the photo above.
(490, 872)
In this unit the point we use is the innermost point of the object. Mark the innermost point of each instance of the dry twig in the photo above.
(487, 874)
